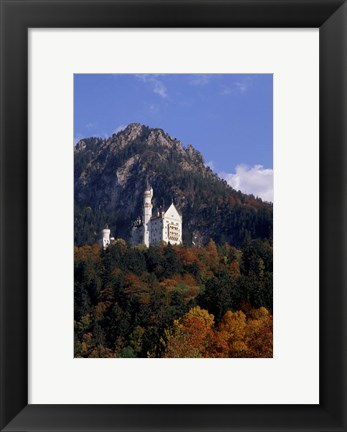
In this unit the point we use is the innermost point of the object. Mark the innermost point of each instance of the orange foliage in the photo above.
(134, 285)
(259, 334)
(85, 253)
(232, 329)
(188, 256)
(235, 269)
(237, 335)
(191, 335)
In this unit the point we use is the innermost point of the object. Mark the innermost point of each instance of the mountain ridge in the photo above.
(111, 175)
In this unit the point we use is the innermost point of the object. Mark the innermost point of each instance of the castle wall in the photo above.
(156, 230)
(172, 231)
(137, 235)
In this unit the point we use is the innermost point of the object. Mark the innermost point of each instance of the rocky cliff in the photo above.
(111, 175)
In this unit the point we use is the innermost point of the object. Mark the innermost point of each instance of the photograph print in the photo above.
(173, 216)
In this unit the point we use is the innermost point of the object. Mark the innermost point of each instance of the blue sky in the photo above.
(227, 117)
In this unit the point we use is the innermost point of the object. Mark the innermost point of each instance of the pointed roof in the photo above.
(172, 212)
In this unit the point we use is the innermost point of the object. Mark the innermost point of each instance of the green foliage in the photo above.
(218, 295)
(126, 298)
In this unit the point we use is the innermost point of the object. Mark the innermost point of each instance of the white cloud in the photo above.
(91, 126)
(120, 128)
(227, 91)
(240, 86)
(157, 85)
(159, 88)
(256, 180)
(199, 80)
(150, 109)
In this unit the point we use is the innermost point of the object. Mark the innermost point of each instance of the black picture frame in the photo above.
(17, 16)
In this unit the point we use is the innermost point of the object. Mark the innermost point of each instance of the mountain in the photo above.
(111, 176)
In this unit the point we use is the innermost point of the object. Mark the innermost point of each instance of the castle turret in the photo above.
(105, 237)
(147, 213)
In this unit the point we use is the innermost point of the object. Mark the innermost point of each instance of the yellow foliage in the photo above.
(197, 313)
(234, 325)
(194, 335)
(191, 335)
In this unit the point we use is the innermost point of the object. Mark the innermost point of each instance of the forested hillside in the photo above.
(174, 301)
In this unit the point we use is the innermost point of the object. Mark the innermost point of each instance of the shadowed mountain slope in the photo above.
(111, 176)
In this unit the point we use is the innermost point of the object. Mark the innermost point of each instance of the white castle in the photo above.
(164, 226)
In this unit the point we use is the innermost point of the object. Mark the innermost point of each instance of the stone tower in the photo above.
(105, 237)
(147, 214)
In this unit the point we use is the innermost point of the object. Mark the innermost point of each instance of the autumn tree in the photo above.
(259, 333)
(231, 336)
(190, 336)
(131, 300)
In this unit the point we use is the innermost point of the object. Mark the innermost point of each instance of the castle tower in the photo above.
(105, 237)
(147, 213)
